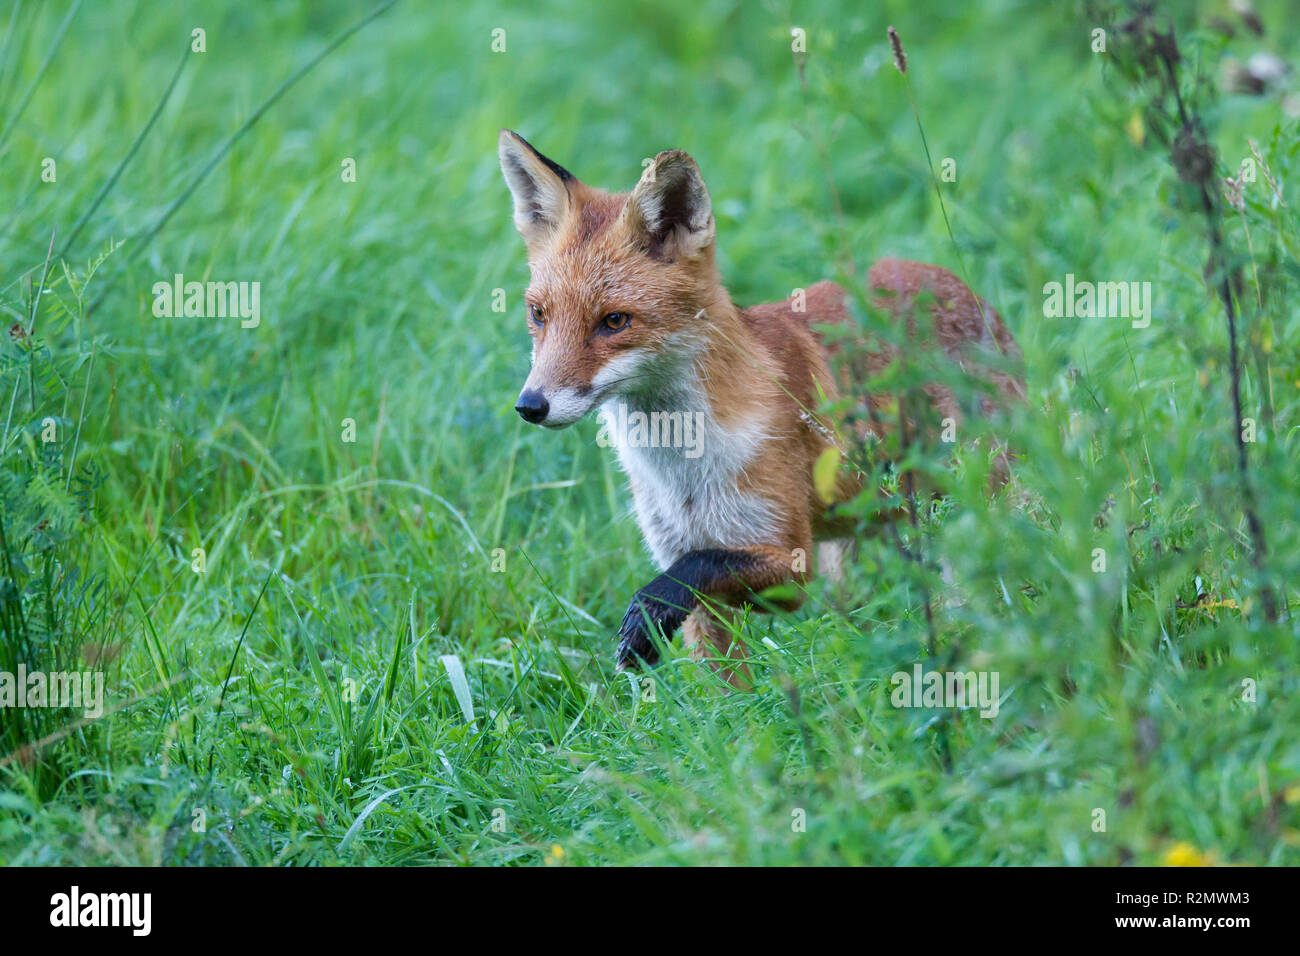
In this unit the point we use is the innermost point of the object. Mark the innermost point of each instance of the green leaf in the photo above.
(824, 471)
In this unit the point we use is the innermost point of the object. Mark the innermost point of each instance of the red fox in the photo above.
(627, 314)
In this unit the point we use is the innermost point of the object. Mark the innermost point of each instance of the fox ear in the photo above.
(538, 185)
(671, 207)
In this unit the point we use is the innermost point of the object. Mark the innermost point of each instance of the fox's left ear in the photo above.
(670, 207)
(538, 185)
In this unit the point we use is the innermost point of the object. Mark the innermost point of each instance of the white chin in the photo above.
(567, 407)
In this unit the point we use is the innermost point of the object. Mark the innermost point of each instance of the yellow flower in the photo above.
(1184, 854)
(1227, 602)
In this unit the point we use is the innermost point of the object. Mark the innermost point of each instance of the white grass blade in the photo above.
(459, 684)
(361, 817)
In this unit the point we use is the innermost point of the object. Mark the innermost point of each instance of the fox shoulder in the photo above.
(785, 331)
(820, 302)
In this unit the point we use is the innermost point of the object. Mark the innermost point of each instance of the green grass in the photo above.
(294, 699)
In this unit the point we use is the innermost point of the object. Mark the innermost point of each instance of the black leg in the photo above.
(660, 607)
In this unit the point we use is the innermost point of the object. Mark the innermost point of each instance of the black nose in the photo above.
(532, 406)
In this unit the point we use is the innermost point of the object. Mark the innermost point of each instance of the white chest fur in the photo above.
(685, 470)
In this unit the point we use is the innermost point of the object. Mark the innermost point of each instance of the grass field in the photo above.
(396, 645)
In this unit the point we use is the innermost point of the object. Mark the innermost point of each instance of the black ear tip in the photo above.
(511, 137)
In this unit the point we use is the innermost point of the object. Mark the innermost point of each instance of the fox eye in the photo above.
(616, 321)
(535, 314)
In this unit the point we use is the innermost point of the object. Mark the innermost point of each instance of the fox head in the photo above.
(621, 285)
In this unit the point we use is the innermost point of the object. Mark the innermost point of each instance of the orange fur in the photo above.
(755, 375)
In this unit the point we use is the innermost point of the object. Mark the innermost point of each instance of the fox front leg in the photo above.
(733, 576)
